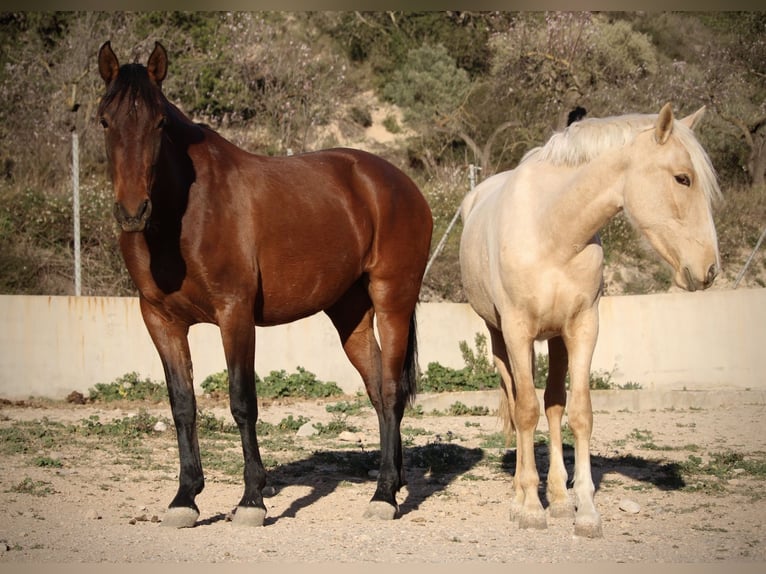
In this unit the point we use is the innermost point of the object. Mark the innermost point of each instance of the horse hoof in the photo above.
(180, 517)
(588, 528)
(249, 516)
(380, 510)
(533, 521)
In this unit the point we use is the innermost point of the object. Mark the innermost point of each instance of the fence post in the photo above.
(472, 169)
(76, 209)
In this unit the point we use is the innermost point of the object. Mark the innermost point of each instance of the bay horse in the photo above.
(532, 267)
(211, 233)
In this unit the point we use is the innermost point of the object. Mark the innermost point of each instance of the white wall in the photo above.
(50, 346)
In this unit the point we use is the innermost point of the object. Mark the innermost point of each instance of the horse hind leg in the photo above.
(559, 503)
(352, 317)
(397, 388)
(506, 411)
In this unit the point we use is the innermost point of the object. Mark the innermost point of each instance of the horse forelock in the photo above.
(133, 85)
(703, 167)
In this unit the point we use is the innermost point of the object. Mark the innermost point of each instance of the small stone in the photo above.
(269, 491)
(347, 436)
(307, 429)
(629, 506)
(92, 514)
(160, 426)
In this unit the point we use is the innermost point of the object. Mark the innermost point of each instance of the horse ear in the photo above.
(693, 119)
(108, 66)
(664, 125)
(158, 64)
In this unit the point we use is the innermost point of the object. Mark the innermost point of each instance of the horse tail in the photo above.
(409, 380)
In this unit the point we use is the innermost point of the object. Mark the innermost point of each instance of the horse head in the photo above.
(669, 189)
(133, 115)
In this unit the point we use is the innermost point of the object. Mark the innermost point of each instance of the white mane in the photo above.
(585, 140)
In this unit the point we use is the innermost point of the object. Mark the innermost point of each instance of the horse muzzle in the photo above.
(694, 284)
(133, 222)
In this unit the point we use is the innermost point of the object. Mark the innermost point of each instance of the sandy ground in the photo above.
(102, 505)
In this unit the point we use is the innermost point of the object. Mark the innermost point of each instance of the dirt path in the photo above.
(697, 479)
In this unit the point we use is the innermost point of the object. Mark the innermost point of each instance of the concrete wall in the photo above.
(50, 346)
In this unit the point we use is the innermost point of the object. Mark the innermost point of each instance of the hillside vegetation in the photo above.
(433, 92)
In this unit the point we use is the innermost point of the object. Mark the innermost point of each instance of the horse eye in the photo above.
(684, 180)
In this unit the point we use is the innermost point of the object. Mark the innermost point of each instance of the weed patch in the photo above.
(278, 384)
(130, 387)
(33, 487)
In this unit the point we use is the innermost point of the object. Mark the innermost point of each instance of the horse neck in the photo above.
(175, 170)
(593, 195)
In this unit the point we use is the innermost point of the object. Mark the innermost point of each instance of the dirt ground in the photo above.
(98, 502)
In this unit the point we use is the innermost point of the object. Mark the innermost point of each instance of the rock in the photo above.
(76, 398)
(347, 436)
(269, 491)
(160, 426)
(92, 514)
(629, 506)
(307, 429)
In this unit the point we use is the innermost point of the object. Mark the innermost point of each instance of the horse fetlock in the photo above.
(561, 509)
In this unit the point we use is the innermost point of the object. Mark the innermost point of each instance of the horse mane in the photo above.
(584, 140)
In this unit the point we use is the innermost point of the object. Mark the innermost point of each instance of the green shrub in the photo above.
(301, 384)
(478, 374)
(216, 384)
(277, 384)
(129, 387)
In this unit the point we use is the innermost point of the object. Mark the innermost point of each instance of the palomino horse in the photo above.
(532, 264)
(211, 233)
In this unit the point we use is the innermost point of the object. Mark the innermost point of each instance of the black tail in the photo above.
(411, 372)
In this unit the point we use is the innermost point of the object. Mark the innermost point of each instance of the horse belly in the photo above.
(302, 287)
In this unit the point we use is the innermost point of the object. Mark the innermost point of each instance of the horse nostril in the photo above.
(144, 210)
(135, 222)
(711, 274)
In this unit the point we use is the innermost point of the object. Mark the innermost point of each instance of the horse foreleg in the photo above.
(560, 506)
(580, 342)
(527, 413)
(238, 336)
(170, 339)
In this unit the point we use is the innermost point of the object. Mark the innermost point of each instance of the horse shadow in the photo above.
(429, 469)
(663, 475)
